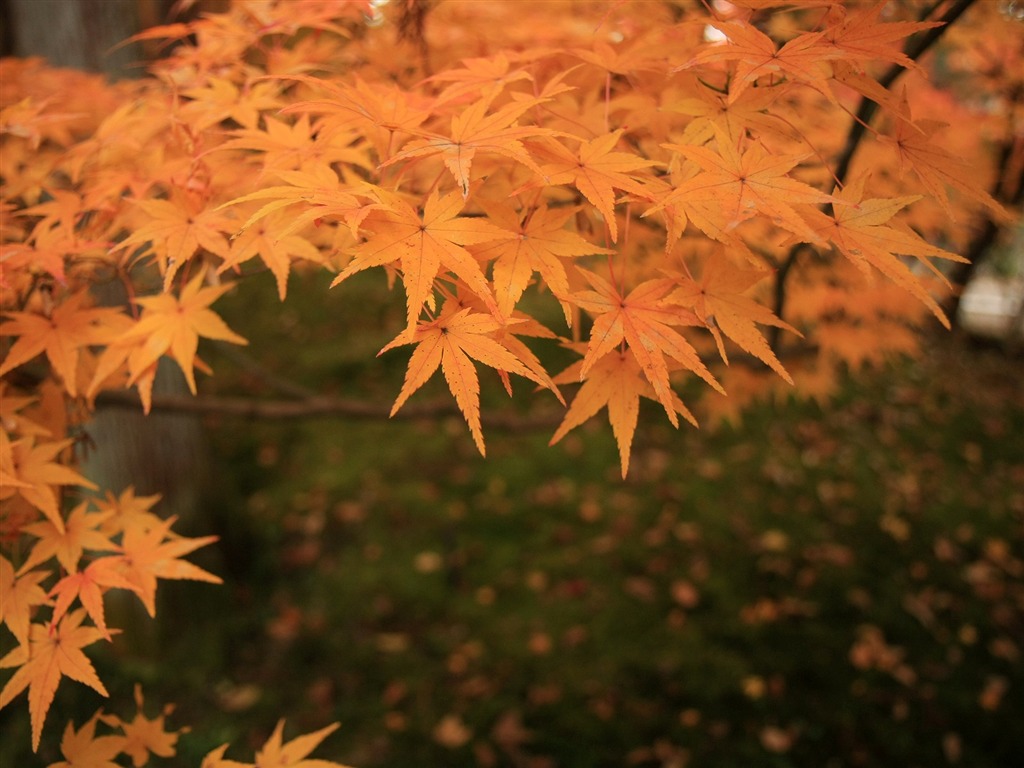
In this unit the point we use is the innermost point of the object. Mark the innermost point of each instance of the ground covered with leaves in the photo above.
(837, 585)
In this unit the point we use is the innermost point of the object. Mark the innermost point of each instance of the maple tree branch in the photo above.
(865, 112)
(313, 407)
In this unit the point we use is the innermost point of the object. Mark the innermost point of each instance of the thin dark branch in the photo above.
(315, 408)
(321, 407)
(865, 112)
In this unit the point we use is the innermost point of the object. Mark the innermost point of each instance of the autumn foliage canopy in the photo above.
(728, 197)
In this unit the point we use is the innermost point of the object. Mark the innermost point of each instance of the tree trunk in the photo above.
(78, 34)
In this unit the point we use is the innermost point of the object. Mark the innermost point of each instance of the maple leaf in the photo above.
(127, 511)
(300, 146)
(623, 61)
(52, 652)
(617, 382)
(484, 75)
(35, 473)
(733, 187)
(275, 754)
(277, 251)
(452, 341)
(715, 115)
(11, 418)
(718, 300)
(174, 230)
(143, 736)
(84, 749)
(916, 149)
(423, 245)
(642, 320)
(804, 58)
(151, 554)
(219, 99)
(175, 324)
(215, 759)
(595, 170)
(61, 335)
(319, 188)
(538, 243)
(87, 586)
(864, 233)
(17, 596)
(859, 37)
(472, 131)
(66, 542)
(9, 482)
(380, 110)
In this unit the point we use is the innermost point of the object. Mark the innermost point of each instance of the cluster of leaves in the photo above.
(143, 737)
(652, 175)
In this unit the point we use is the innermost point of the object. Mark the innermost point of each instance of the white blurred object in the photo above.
(993, 306)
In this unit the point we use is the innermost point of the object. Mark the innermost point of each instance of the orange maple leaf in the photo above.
(538, 243)
(472, 131)
(715, 115)
(864, 232)
(482, 75)
(381, 111)
(318, 188)
(452, 341)
(219, 99)
(300, 146)
(718, 300)
(804, 58)
(595, 170)
(215, 759)
(61, 335)
(916, 149)
(17, 596)
(292, 754)
(277, 754)
(276, 250)
(174, 230)
(84, 749)
(87, 586)
(128, 511)
(52, 651)
(145, 736)
(151, 554)
(733, 187)
(617, 382)
(66, 543)
(859, 37)
(173, 324)
(642, 320)
(422, 246)
(35, 475)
